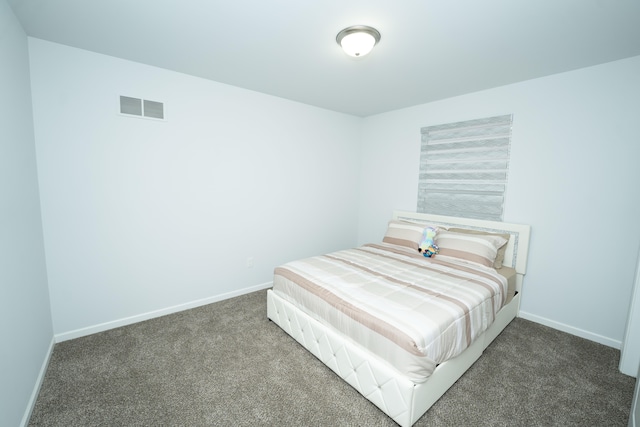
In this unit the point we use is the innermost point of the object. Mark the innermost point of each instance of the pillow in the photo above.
(404, 233)
(474, 248)
(501, 250)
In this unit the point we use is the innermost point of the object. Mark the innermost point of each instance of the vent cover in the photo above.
(141, 107)
(130, 106)
(153, 109)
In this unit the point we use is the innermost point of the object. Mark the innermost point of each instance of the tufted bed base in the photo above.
(398, 397)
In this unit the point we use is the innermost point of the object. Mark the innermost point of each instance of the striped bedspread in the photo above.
(412, 311)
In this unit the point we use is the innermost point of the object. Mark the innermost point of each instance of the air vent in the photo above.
(141, 107)
(130, 106)
(153, 109)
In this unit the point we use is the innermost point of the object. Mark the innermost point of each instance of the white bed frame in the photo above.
(397, 396)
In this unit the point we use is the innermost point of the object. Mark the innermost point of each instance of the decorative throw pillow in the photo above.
(501, 250)
(475, 248)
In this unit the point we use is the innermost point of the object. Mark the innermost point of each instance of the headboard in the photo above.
(517, 247)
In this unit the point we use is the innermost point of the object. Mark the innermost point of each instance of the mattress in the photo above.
(410, 311)
(511, 275)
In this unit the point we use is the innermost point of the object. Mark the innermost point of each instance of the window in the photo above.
(463, 168)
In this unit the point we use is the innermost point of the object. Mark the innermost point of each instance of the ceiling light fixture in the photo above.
(358, 40)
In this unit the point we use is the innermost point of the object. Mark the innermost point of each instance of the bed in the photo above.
(399, 327)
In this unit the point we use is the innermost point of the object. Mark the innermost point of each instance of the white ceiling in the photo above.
(430, 49)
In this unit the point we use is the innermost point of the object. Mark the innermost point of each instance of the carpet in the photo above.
(226, 364)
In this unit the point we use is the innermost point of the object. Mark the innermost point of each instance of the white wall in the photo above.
(141, 215)
(26, 332)
(630, 353)
(573, 176)
(634, 416)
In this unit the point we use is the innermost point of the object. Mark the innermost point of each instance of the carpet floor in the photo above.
(225, 364)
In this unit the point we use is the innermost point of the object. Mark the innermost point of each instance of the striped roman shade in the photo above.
(463, 168)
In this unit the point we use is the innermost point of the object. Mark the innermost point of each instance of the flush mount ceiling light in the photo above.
(358, 40)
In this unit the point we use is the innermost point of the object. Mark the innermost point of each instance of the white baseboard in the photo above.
(572, 330)
(64, 336)
(36, 388)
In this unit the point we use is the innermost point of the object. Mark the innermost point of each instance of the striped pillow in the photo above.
(404, 233)
(474, 248)
(501, 250)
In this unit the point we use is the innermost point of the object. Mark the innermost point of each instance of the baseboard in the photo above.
(157, 313)
(571, 330)
(37, 385)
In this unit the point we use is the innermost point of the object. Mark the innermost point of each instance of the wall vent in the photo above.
(130, 106)
(141, 107)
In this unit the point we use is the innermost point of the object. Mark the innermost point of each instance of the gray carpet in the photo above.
(226, 364)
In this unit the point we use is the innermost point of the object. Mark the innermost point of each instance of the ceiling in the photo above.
(430, 49)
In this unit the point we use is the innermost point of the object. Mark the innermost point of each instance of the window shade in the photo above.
(463, 168)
